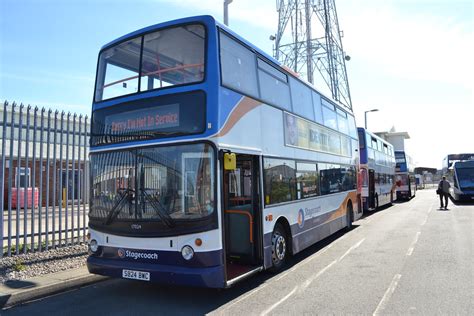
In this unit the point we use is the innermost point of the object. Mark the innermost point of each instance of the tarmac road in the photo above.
(410, 258)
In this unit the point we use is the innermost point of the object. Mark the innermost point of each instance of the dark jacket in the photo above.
(444, 186)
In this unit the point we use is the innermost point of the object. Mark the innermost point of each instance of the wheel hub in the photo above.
(279, 248)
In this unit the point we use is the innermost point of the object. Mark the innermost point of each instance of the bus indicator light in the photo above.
(198, 242)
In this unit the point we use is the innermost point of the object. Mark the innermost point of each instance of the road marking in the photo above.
(388, 294)
(351, 248)
(317, 275)
(246, 295)
(265, 312)
(412, 246)
(430, 209)
(302, 263)
(424, 222)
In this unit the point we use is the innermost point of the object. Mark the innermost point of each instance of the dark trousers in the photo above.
(445, 195)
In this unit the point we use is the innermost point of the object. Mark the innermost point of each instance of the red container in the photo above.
(18, 195)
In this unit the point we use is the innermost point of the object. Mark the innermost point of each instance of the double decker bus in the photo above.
(209, 161)
(377, 170)
(405, 180)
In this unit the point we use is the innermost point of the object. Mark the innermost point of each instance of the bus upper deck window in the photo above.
(173, 56)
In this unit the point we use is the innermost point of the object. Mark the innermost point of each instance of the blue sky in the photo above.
(411, 59)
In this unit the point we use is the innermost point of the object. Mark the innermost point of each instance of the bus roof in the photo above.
(198, 18)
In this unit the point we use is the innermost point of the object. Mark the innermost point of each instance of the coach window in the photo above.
(348, 178)
(330, 178)
(238, 66)
(173, 56)
(273, 86)
(329, 115)
(345, 146)
(374, 144)
(306, 180)
(334, 143)
(352, 126)
(118, 70)
(318, 112)
(280, 184)
(301, 98)
(342, 123)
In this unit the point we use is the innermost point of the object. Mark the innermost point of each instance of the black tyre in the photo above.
(349, 216)
(279, 248)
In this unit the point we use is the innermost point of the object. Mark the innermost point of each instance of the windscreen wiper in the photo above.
(159, 209)
(117, 208)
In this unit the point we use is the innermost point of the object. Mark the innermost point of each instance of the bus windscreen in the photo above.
(168, 57)
(466, 178)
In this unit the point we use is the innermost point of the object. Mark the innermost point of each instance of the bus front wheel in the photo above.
(279, 248)
(349, 216)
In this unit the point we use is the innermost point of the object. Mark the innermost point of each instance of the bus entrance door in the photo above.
(242, 220)
(371, 189)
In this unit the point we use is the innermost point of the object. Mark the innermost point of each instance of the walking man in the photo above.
(443, 188)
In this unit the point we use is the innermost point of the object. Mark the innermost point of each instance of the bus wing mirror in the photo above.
(230, 161)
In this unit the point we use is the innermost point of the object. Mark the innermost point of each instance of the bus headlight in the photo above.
(187, 252)
(93, 246)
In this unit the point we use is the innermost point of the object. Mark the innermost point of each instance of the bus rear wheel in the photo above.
(279, 248)
(349, 216)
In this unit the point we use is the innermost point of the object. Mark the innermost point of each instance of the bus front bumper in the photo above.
(213, 277)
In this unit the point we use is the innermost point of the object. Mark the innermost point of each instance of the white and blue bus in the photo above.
(405, 180)
(210, 161)
(377, 170)
(463, 180)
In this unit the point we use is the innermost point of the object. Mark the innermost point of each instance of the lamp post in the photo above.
(226, 11)
(365, 115)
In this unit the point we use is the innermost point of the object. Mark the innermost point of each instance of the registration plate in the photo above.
(136, 275)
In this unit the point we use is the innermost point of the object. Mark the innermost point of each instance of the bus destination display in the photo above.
(145, 119)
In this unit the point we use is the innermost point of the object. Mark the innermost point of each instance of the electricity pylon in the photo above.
(308, 38)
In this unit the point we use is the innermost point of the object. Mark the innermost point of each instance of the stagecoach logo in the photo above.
(301, 218)
(121, 253)
(136, 255)
(306, 214)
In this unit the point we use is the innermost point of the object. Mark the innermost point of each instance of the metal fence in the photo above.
(43, 178)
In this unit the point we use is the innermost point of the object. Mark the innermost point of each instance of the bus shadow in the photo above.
(260, 279)
(205, 300)
(461, 203)
(367, 214)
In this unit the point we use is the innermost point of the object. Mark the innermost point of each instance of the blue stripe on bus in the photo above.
(161, 257)
(166, 274)
(228, 101)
